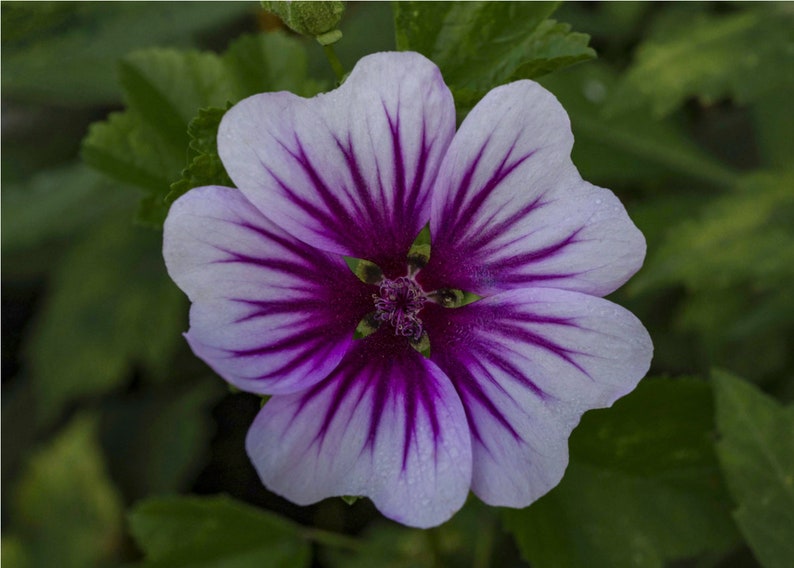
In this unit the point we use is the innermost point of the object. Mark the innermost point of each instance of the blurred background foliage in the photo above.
(109, 112)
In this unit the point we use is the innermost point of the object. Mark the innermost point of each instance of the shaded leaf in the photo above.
(56, 203)
(197, 532)
(269, 62)
(156, 443)
(642, 488)
(68, 512)
(734, 260)
(205, 167)
(632, 146)
(742, 55)
(713, 252)
(165, 89)
(111, 306)
(756, 451)
(89, 38)
(128, 150)
(13, 553)
(479, 45)
(467, 539)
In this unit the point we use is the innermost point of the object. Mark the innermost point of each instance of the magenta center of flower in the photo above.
(399, 302)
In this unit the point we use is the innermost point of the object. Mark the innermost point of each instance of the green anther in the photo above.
(366, 271)
(454, 298)
(367, 326)
(419, 253)
(423, 345)
(419, 256)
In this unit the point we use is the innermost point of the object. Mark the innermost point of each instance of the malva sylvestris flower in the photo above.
(441, 398)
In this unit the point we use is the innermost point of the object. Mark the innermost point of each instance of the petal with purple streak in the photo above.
(386, 424)
(527, 364)
(349, 171)
(510, 210)
(270, 314)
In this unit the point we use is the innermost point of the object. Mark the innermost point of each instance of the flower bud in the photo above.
(317, 19)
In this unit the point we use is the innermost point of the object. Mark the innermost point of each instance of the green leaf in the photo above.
(479, 45)
(629, 147)
(128, 150)
(157, 442)
(111, 305)
(467, 539)
(55, 204)
(88, 39)
(269, 62)
(642, 488)
(756, 451)
(195, 532)
(165, 89)
(13, 553)
(742, 55)
(743, 236)
(774, 128)
(734, 261)
(205, 167)
(67, 511)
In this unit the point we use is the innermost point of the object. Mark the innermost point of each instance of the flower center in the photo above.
(399, 302)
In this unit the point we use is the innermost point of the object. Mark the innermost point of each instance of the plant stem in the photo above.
(332, 539)
(336, 65)
(434, 543)
(484, 545)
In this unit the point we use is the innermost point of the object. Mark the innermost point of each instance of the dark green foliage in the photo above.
(479, 45)
(643, 486)
(205, 166)
(182, 532)
(756, 450)
(686, 115)
(165, 89)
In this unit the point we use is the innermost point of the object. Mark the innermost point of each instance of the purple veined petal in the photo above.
(270, 314)
(510, 210)
(386, 424)
(527, 364)
(349, 171)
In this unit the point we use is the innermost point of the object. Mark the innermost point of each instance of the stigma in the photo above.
(399, 302)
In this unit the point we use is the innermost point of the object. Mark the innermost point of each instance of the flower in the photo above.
(358, 172)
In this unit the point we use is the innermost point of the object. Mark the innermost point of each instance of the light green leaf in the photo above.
(67, 511)
(111, 306)
(177, 532)
(756, 451)
(642, 488)
(742, 55)
(479, 45)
